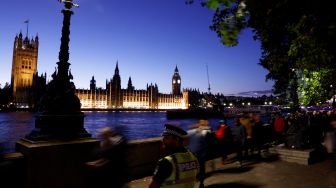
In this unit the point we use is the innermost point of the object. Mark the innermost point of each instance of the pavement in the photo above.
(265, 172)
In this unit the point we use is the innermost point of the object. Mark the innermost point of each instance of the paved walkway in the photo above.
(268, 172)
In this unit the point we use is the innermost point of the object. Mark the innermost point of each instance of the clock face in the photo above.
(178, 81)
(173, 81)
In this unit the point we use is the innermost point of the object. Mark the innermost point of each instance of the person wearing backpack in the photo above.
(223, 135)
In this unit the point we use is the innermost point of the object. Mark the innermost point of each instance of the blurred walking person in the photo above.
(199, 145)
(109, 166)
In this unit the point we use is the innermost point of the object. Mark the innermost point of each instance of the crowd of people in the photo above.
(186, 152)
(249, 135)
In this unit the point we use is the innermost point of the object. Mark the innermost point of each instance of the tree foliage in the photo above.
(295, 35)
(5, 94)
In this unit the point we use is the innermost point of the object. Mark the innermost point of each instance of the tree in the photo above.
(296, 36)
(5, 94)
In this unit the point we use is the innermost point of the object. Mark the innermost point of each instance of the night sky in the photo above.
(147, 37)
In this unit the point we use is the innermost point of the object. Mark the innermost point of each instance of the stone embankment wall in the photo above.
(142, 158)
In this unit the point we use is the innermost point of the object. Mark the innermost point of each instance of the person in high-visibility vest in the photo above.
(179, 167)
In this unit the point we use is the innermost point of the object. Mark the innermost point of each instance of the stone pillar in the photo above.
(56, 164)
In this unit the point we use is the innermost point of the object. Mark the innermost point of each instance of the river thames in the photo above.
(134, 125)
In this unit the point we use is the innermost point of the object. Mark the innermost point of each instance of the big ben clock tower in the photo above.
(176, 82)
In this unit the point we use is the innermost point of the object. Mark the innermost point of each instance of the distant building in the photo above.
(24, 75)
(176, 82)
(114, 97)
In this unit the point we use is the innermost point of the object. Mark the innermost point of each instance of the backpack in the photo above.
(220, 132)
(223, 132)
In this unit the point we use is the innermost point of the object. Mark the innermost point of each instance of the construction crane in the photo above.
(208, 78)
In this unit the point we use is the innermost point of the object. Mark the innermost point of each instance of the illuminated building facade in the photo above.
(114, 97)
(24, 75)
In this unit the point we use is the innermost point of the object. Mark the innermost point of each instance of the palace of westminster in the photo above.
(28, 87)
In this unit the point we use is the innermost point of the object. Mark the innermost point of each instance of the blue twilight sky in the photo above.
(147, 37)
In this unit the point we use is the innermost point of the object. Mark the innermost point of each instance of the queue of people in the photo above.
(186, 152)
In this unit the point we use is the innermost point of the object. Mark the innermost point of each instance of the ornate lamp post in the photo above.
(60, 116)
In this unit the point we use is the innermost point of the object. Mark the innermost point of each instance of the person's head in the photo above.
(222, 122)
(106, 133)
(172, 137)
(242, 119)
(257, 117)
(203, 124)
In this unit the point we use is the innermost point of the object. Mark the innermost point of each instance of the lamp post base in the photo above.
(58, 127)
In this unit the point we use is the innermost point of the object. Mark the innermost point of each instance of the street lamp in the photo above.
(333, 95)
(61, 116)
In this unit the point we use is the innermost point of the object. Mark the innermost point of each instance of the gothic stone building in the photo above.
(114, 97)
(25, 81)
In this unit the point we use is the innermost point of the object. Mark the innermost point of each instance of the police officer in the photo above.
(179, 167)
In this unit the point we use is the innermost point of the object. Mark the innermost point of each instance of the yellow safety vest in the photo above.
(185, 169)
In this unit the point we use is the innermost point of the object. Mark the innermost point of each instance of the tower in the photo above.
(153, 93)
(115, 96)
(92, 84)
(130, 86)
(176, 82)
(24, 67)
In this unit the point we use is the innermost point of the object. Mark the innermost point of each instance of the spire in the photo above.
(16, 40)
(93, 84)
(129, 85)
(26, 41)
(116, 71)
(36, 38)
(129, 81)
(176, 70)
(20, 40)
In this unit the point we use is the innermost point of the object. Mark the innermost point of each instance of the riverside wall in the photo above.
(16, 168)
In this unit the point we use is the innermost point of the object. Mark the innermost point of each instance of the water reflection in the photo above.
(134, 125)
(14, 125)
